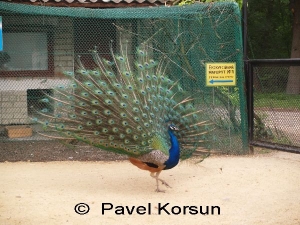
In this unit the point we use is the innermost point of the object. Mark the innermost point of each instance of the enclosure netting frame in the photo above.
(188, 36)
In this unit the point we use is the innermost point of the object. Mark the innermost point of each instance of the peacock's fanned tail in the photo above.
(124, 107)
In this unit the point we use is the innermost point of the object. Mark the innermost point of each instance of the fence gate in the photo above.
(274, 112)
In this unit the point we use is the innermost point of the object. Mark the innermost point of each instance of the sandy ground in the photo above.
(259, 189)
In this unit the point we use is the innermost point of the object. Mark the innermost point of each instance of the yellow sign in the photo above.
(220, 74)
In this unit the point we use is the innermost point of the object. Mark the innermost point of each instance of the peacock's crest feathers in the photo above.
(125, 107)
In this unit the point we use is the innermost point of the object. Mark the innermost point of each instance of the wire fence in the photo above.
(41, 43)
(276, 104)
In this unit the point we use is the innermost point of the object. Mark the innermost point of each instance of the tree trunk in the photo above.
(293, 85)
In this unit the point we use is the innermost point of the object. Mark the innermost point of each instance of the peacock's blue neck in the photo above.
(174, 152)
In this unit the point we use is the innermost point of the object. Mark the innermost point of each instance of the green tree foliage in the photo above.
(269, 29)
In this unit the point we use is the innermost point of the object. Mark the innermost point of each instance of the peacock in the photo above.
(127, 104)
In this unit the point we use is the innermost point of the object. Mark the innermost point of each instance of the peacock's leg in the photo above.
(157, 183)
(161, 180)
(164, 182)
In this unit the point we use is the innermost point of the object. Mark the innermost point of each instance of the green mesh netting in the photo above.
(42, 42)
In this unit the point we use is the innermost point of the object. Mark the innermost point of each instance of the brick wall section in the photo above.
(63, 47)
(13, 107)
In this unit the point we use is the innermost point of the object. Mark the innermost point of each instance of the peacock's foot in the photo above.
(157, 182)
(159, 190)
(165, 183)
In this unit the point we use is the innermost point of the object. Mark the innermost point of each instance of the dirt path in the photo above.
(261, 189)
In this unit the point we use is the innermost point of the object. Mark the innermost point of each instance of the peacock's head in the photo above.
(173, 127)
